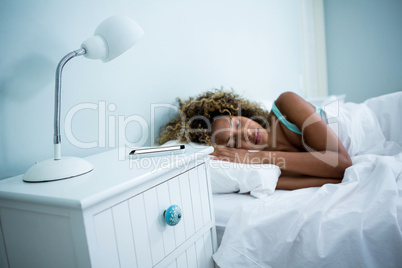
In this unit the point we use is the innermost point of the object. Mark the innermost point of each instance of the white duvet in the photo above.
(353, 224)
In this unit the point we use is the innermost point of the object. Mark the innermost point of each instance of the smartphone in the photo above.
(158, 151)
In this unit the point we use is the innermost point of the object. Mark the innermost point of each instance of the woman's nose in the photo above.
(249, 133)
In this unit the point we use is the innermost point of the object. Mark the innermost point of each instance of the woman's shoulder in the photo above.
(289, 101)
(294, 107)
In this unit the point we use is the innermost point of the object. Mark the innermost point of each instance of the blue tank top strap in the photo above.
(291, 126)
(283, 120)
(319, 110)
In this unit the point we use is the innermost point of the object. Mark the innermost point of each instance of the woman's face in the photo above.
(239, 132)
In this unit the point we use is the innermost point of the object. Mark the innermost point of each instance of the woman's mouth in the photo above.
(257, 136)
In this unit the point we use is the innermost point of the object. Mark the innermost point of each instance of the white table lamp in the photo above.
(112, 37)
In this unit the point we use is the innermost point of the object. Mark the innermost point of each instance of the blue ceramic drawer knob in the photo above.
(172, 215)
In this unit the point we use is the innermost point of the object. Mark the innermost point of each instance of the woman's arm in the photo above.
(325, 155)
(325, 164)
(293, 183)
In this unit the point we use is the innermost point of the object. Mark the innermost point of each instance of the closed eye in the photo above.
(228, 144)
(231, 136)
(238, 126)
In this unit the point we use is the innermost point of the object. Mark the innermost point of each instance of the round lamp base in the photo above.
(52, 170)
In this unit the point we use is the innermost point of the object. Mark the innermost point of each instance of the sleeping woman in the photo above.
(294, 135)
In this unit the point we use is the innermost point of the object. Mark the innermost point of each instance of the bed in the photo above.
(357, 223)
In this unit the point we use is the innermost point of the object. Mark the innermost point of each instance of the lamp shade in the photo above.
(112, 37)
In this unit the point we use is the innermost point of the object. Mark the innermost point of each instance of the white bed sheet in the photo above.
(353, 224)
(224, 206)
(227, 204)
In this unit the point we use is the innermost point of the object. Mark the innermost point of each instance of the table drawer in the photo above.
(133, 233)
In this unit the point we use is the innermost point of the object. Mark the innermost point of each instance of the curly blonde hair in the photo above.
(193, 123)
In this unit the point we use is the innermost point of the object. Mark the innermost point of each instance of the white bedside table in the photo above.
(112, 216)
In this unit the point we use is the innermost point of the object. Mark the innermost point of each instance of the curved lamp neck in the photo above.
(57, 100)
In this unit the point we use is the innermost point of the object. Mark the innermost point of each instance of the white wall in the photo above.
(364, 47)
(189, 46)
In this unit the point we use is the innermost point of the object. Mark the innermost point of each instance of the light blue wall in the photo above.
(364, 47)
(189, 46)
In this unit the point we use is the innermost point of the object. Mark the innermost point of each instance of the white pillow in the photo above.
(258, 179)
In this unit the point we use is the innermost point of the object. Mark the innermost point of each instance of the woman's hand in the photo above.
(237, 155)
